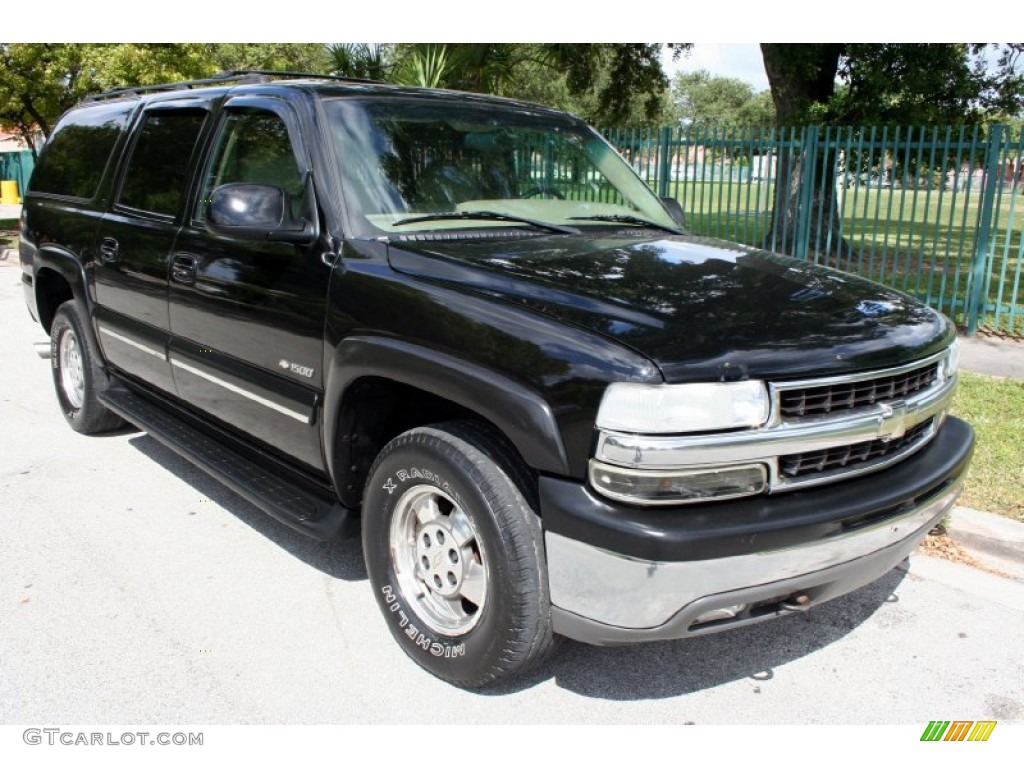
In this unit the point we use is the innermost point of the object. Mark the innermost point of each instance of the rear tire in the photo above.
(455, 554)
(77, 375)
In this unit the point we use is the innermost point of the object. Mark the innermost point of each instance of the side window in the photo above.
(158, 167)
(73, 159)
(253, 147)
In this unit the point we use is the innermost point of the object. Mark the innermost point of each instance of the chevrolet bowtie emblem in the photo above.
(894, 421)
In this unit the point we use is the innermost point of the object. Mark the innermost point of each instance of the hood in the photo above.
(699, 308)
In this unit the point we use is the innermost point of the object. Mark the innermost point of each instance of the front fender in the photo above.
(518, 411)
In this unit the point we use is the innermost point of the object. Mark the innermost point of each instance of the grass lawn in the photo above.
(995, 408)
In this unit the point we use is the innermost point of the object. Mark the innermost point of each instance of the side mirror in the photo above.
(675, 210)
(255, 212)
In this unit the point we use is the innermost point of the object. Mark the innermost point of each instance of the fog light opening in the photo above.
(681, 486)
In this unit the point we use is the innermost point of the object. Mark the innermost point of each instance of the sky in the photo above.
(739, 60)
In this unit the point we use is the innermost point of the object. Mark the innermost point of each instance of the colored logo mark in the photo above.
(958, 730)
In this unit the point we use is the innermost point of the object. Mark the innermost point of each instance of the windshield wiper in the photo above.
(625, 219)
(487, 216)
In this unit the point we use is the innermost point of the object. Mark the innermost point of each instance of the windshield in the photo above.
(413, 165)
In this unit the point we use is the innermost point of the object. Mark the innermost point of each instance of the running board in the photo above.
(305, 510)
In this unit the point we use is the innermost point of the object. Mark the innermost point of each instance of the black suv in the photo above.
(467, 323)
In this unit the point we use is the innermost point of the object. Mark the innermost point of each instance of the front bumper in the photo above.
(620, 574)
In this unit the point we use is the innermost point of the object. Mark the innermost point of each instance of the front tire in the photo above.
(454, 552)
(77, 375)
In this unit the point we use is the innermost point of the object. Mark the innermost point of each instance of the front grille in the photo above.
(850, 456)
(821, 400)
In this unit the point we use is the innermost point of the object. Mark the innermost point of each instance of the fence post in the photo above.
(802, 230)
(664, 161)
(986, 214)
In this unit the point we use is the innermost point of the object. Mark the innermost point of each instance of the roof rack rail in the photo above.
(241, 76)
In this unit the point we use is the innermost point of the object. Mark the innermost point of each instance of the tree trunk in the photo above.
(805, 222)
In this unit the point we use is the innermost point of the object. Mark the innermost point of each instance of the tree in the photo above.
(477, 67)
(891, 83)
(369, 61)
(606, 84)
(295, 57)
(29, 101)
(40, 81)
(621, 75)
(702, 99)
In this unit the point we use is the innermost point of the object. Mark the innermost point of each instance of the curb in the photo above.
(981, 585)
(996, 541)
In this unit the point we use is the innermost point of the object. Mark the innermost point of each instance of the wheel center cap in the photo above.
(440, 559)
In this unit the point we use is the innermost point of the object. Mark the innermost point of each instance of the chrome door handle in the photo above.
(108, 249)
(184, 269)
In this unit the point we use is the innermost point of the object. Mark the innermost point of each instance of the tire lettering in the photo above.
(421, 474)
(415, 634)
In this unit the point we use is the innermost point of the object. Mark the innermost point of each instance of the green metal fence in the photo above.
(936, 212)
(17, 166)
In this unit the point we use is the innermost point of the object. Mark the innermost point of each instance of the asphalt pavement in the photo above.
(134, 589)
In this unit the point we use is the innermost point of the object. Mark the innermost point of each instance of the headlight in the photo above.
(952, 363)
(678, 408)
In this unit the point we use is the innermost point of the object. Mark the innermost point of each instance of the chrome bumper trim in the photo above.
(606, 587)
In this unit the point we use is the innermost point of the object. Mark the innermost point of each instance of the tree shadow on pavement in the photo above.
(341, 559)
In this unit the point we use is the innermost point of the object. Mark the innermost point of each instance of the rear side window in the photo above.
(158, 167)
(74, 158)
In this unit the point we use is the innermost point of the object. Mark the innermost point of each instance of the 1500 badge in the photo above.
(302, 370)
